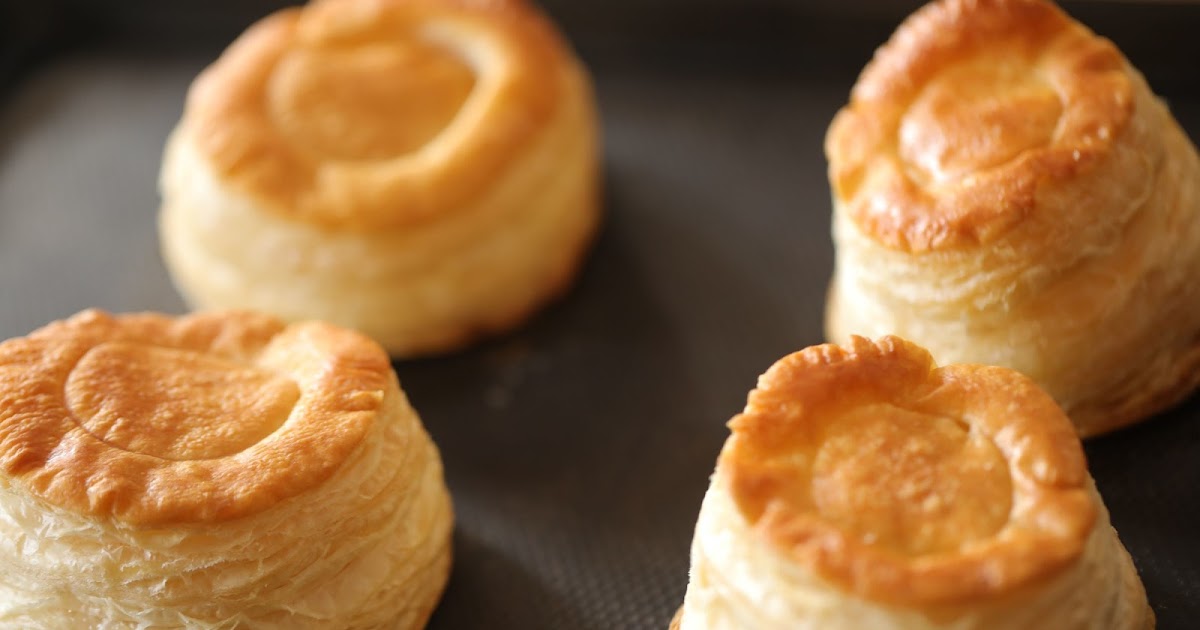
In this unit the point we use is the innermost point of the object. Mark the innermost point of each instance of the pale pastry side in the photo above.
(213, 471)
(425, 171)
(865, 487)
(1009, 191)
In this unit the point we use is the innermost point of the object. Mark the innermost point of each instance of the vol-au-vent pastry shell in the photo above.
(865, 487)
(219, 470)
(422, 170)
(1008, 191)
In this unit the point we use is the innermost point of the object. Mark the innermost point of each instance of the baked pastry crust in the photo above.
(422, 170)
(864, 487)
(212, 471)
(1008, 191)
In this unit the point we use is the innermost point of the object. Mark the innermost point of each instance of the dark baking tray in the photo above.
(577, 448)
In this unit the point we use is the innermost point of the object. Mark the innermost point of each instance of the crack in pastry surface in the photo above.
(176, 404)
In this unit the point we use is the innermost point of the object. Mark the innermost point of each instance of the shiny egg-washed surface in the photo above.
(578, 448)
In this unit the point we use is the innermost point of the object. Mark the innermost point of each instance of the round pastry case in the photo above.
(577, 448)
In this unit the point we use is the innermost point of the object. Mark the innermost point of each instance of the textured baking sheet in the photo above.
(578, 448)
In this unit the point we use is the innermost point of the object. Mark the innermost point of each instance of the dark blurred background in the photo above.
(1159, 36)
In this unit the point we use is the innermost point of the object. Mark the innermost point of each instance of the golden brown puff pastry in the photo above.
(422, 170)
(864, 487)
(213, 471)
(1008, 191)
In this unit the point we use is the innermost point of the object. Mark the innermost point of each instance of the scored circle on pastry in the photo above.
(374, 114)
(218, 468)
(969, 108)
(906, 482)
(424, 171)
(863, 486)
(155, 421)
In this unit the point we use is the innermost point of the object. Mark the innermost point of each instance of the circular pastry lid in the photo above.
(904, 482)
(375, 114)
(966, 112)
(154, 420)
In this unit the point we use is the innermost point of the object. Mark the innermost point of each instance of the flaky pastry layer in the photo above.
(1008, 191)
(445, 189)
(213, 471)
(864, 487)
